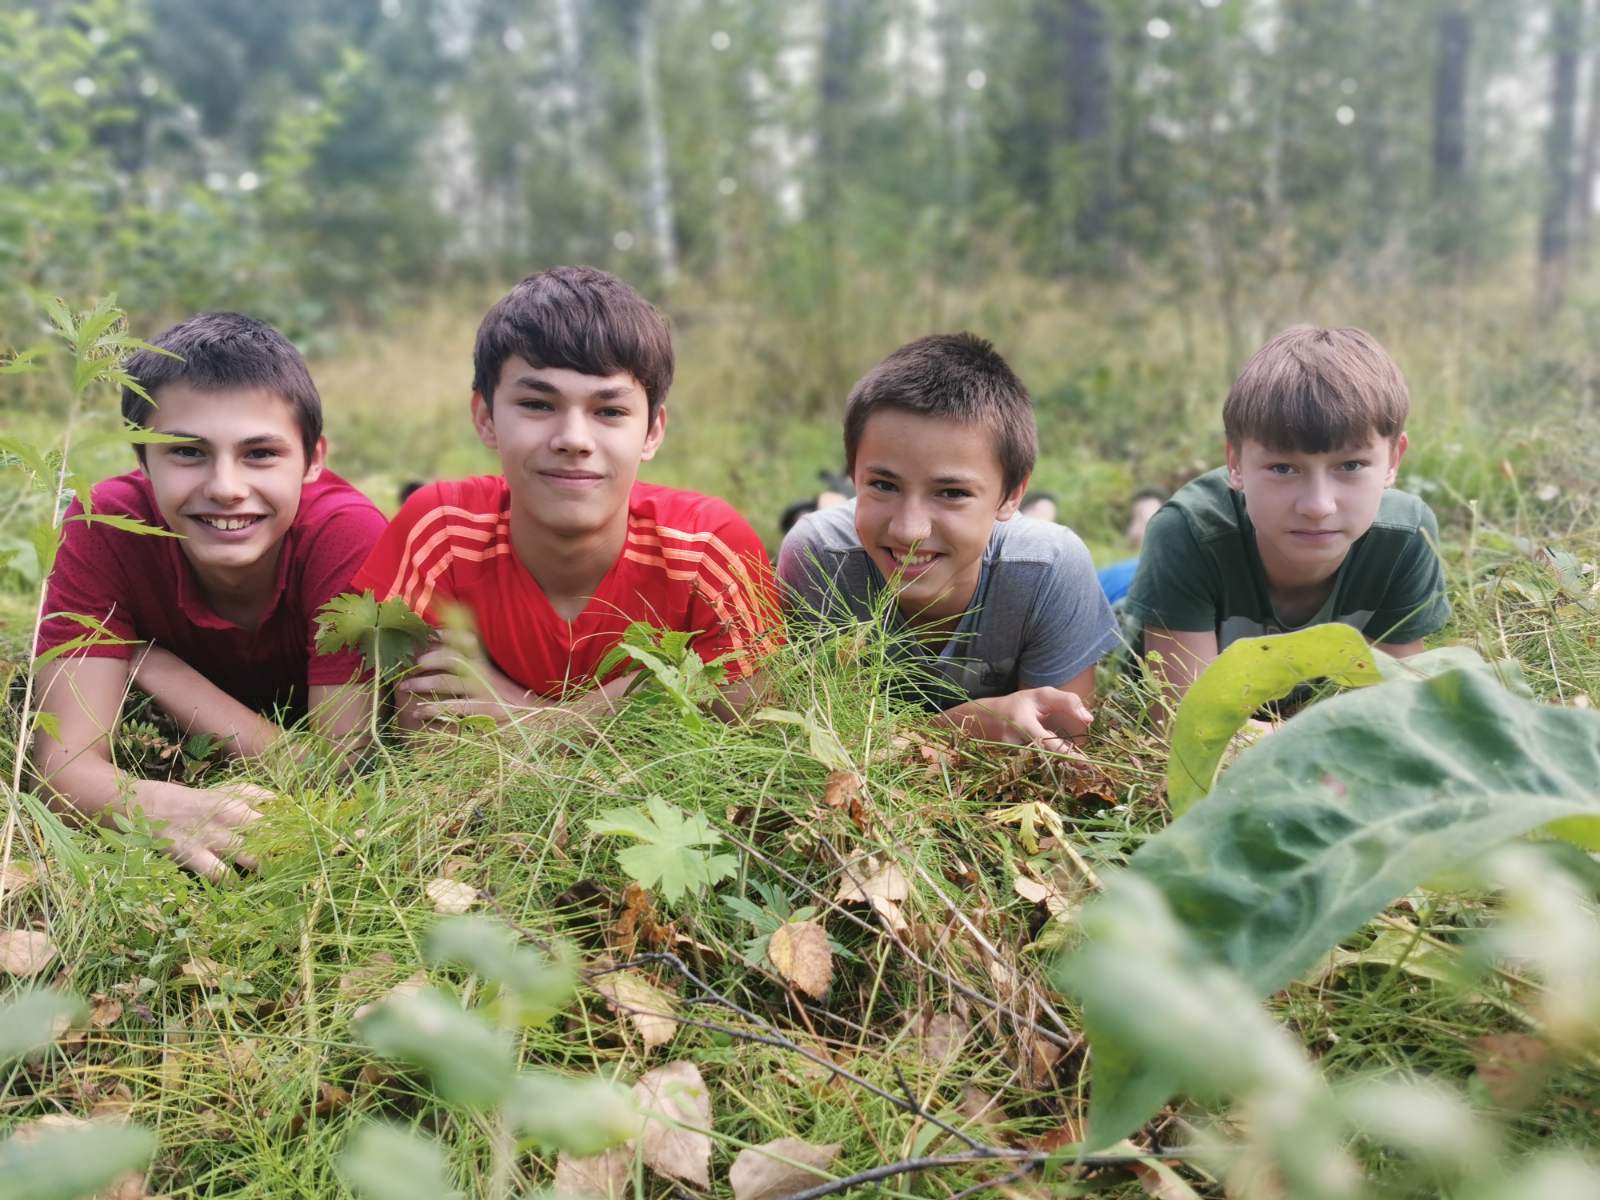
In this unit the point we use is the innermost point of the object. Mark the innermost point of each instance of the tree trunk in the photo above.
(1588, 167)
(1450, 196)
(658, 180)
(1555, 221)
(1088, 124)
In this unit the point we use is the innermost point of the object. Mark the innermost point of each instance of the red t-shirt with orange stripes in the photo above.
(689, 563)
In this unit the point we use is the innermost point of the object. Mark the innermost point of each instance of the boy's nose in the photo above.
(909, 524)
(572, 435)
(1316, 501)
(226, 483)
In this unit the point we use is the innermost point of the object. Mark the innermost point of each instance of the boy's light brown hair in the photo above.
(956, 377)
(1312, 390)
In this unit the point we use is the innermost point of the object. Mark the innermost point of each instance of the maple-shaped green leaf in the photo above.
(669, 858)
(387, 634)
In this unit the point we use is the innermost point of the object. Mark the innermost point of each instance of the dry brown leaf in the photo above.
(891, 914)
(25, 952)
(842, 789)
(1162, 1182)
(677, 1108)
(1039, 1058)
(598, 1177)
(799, 949)
(981, 1109)
(943, 1035)
(451, 867)
(1002, 976)
(17, 878)
(1511, 1065)
(451, 895)
(104, 1010)
(243, 1057)
(778, 1169)
(205, 971)
(865, 880)
(651, 1010)
(414, 982)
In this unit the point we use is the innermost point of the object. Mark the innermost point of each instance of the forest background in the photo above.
(1127, 196)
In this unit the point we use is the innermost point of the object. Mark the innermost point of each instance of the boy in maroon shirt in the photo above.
(216, 624)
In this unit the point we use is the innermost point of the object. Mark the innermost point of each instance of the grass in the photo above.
(228, 1011)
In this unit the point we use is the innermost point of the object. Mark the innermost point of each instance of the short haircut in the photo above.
(222, 351)
(958, 377)
(581, 319)
(1313, 390)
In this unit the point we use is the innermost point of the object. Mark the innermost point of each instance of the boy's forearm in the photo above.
(199, 706)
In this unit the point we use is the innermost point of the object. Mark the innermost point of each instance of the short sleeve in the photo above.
(1415, 603)
(87, 580)
(1069, 627)
(337, 548)
(735, 601)
(1174, 585)
(390, 567)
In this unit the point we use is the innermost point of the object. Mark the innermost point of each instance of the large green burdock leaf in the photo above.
(1350, 805)
(1249, 673)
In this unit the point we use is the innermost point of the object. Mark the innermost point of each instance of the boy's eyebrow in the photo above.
(545, 388)
(259, 439)
(887, 473)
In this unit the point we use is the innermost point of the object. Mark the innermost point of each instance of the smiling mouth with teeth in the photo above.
(914, 560)
(228, 524)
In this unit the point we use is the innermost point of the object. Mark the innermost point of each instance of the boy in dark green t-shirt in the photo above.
(1301, 527)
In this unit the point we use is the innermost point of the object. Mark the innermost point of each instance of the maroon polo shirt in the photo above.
(142, 588)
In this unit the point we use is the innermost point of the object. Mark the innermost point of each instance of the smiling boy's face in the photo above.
(234, 491)
(570, 444)
(928, 493)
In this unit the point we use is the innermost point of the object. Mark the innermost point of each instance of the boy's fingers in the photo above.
(198, 859)
(439, 683)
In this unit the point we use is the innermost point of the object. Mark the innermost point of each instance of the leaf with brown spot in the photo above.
(650, 1010)
(778, 1169)
(677, 1108)
(1512, 1066)
(104, 1011)
(25, 952)
(598, 1177)
(799, 950)
(451, 896)
(866, 879)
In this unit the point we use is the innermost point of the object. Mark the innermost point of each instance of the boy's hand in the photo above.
(454, 679)
(204, 825)
(1047, 716)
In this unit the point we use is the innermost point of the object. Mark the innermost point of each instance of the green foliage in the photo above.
(467, 1061)
(384, 1163)
(669, 858)
(668, 657)
(1347, 807)
(72, 1163)
(1248, 674)
(579, 1116)
(534, 988)
(388, 635)
(29, 1020)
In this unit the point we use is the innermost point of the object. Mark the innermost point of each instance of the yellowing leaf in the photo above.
(25, 952)
(678, 1108)
(651, 1010)
(1029, 819)
(865, 880)
(451, 895)
(778, 1169)
(799, 950)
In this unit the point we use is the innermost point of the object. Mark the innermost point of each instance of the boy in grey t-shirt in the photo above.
(1003, 612)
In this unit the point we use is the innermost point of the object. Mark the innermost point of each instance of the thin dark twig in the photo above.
(712, 996)
(1026, 1160)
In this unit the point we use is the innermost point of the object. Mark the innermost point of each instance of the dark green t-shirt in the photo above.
(1200, 570)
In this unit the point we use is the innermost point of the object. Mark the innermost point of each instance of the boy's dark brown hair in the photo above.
(581, 319)
(222, 351)
(958, 377)
(1312, 390)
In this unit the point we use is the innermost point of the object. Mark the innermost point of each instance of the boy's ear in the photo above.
(483, 420)
(652, 439)
(1013, 501)
(319, 460)
(1235, 470)
(1395, 455)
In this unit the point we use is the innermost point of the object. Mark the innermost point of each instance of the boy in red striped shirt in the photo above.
(556, 556)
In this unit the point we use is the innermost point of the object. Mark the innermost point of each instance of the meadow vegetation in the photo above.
(824, 922)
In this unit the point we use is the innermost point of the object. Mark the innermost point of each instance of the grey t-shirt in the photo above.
(1037, 618)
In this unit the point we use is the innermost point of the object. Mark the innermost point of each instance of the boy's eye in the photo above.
(1353, 464)
(1281, 468)
(954, 494)
(261, 454)
(612, 411)
(881, 485)
(181, 451)
(534, 405)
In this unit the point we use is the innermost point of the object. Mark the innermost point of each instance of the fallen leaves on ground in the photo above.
(414, 982)
(672, 1097)
(778, 1169)
(940, 1036)
(206, 972)
(799, 950)
(104, 1010)
(865, 880)
(639, 924)
(599, 1176)
(650, 1010)
(25, 952)
(17, 878)
(451, 895)
(1512, 1066)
